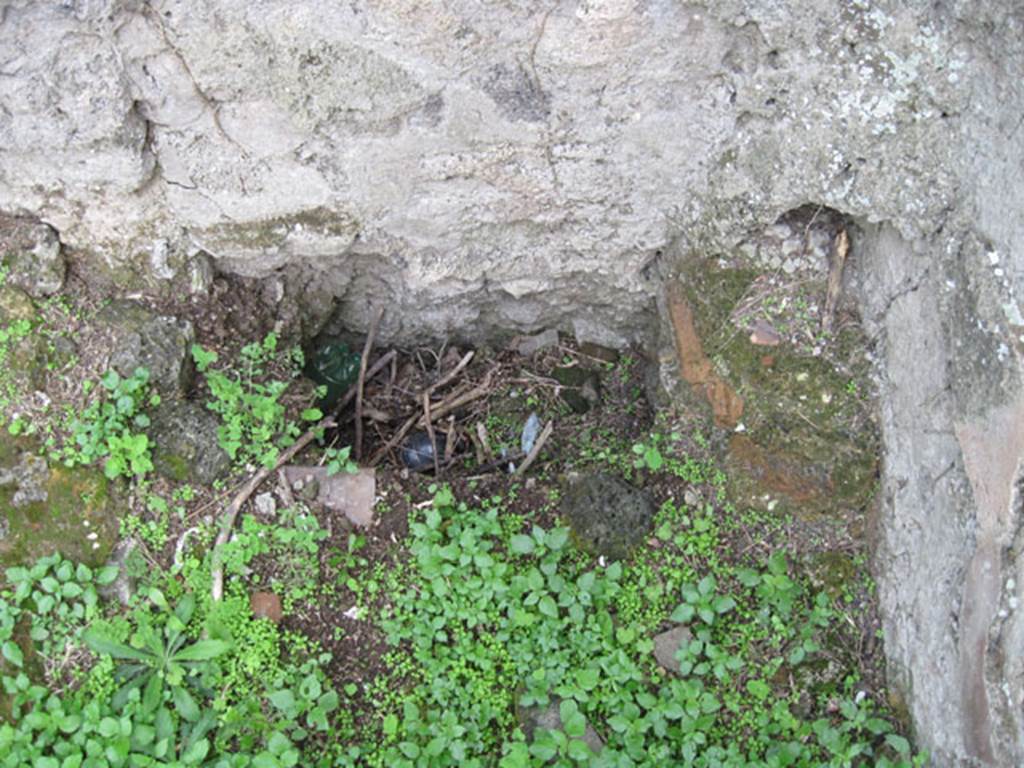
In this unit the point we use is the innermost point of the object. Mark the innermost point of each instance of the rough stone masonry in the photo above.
(487, 167)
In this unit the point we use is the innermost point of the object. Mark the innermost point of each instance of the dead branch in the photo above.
(285, 489)
(362, 381)
(840, 249)
(529, 377)
(455, 402)
(375, 414)
(374, 370)
(478, 449)
(395, 439)
(451, 374)
(430, 432)
(500, 461)
(228, 520)
(485, 443)
(535, 451)
(449, 446)
(391, 378)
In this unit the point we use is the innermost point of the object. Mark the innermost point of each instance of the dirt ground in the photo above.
(498, 390)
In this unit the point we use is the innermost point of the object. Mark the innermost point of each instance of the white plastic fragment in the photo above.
(530, 431)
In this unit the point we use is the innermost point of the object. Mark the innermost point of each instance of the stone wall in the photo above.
(480, 168)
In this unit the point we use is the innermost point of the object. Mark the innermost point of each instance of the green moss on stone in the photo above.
(272, 232)
(806, 417)
(175, 467)
(79, 503)
(834, 572)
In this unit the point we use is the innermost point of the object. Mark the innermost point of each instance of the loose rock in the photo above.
(28, 478)
(531, 345)
(352, 495)
(581, 388)
(549, 718)
(266, 504)
(764, 335)
(142, 338)
(599, 352)
(34, 257)
(667, 645)
(26, 359)
(266, 605)
(185, 446)
(123, 587)
(73, 511)
(608, 516)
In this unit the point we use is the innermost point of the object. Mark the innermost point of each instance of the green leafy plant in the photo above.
(492, 619)
(292, 541)
(338, 460)
(254, 425)
(154, 529)
(162, 659)
(62, 599)
(700, 600)
(104, 720)
(347, 561)
(112, 427)
(11, 338)
(648, 456)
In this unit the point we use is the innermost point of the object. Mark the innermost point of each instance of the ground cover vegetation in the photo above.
(469, 626)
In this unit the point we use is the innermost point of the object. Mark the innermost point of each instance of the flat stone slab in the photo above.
(352, 495)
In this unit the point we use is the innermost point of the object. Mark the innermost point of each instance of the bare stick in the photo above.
(449, 446)
(391, 378)
(417, 420)
(452, 373)
(485, 443)
(430, 432)
(500, 461)
(475, 439)
(443, 410)
(286, 489)
(228, 521)
(373, 371)
(535, 451)
(395, 439)
(375, 414)
(835, 279)
(362, 381)
(455, 403)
